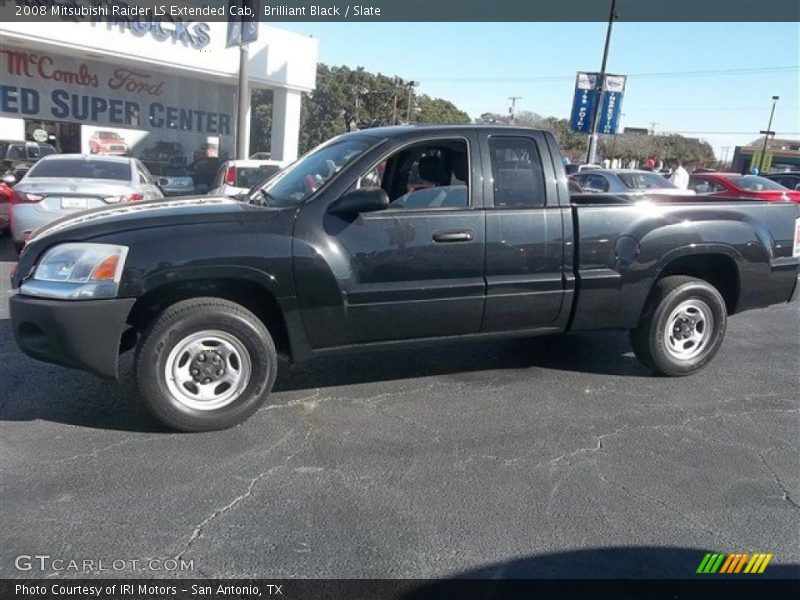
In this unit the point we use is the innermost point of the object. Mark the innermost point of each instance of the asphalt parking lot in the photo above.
(558, 457)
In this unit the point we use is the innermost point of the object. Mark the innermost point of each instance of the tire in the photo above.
(696, 314)
(220, 359)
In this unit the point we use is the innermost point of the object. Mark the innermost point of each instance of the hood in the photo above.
(139, 215)
(73, 186)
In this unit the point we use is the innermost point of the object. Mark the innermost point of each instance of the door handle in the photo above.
(458, 235)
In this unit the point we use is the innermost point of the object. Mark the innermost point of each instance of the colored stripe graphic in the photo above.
(711, 563)
(717, 562)
(741, 562)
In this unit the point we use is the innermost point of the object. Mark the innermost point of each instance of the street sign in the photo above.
(586, 85)
(763, 162)
(242, 29)
(611, 104)
(583, 102)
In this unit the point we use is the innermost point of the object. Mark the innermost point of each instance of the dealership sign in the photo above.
(585, 97)
(40, 86)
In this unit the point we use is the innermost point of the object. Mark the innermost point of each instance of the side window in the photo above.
(517, 172)
(16, 152)
(427, 175)
(596, 183)
(144, 174)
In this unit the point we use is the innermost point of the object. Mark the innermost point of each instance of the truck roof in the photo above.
(401, 130)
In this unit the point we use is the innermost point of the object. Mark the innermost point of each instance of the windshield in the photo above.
(81, 169)
(249, 177)
(108, 135)
(300, 180)
(644, 181)
(45, 149)
(754, 183)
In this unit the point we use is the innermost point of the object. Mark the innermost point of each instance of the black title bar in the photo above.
(707, 588)
(408, 10)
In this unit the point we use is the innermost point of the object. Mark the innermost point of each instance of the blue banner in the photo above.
(583, 102)
(586, 87)
(611, 105)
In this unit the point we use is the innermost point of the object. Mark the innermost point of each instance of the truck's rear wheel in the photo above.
(682, 327)
(205, 364)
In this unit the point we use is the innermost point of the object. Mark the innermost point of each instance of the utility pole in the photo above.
(653, 127)
(598, 92)
(511, 109)
(767, 133)
(410, 85)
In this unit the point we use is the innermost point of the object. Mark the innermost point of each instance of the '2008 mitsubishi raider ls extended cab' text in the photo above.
(393, 235)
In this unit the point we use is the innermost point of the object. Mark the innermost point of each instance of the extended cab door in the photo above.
(412, 270)
(525, 239)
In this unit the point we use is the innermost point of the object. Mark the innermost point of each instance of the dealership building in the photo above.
(156, 90)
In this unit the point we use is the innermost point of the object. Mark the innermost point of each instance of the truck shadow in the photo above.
(619, 572)
(31, 390)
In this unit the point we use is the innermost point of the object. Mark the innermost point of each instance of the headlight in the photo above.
(78, 271)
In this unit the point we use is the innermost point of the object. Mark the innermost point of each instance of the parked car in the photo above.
(237, 177)
(61, 184)
(573, 168)
(109, 143)
(335, 253)
(790, 180)
(5, 201)
(734, 185)
(173, 181)
(627, 181)
(171, 152)
(17, 156)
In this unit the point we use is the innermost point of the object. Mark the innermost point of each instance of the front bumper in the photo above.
(81, 334)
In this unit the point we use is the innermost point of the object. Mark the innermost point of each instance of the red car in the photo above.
(733, 185)
(108, 142)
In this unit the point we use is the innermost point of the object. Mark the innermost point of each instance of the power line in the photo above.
(654, 75)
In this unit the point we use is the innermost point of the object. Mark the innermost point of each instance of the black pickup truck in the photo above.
(390, 236)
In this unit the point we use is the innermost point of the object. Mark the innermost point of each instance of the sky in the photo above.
(714, 81)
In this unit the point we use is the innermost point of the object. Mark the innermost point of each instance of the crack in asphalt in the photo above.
(778, 481)
(94, 453)
(252, 482)
(664, 505)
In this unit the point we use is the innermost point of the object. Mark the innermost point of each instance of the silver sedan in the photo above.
(627, 181)
(62, 184)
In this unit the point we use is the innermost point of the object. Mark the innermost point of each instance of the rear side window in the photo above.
(517, 172)
(82, 169)
(16, 152)
(593, 183)
(644, 181)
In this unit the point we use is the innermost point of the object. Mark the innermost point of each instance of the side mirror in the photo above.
(360, 201)
(9, 179)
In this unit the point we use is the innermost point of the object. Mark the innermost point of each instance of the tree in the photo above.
(346, 99)
(437, 110)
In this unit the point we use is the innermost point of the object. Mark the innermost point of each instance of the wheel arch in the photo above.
(716, 265)
(247, 292)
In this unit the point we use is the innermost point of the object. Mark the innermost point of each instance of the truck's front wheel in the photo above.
(205, 364)
(682, 327)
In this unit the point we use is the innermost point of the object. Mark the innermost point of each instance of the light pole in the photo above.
(243, 105)
(598, 92)
(767, 133)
